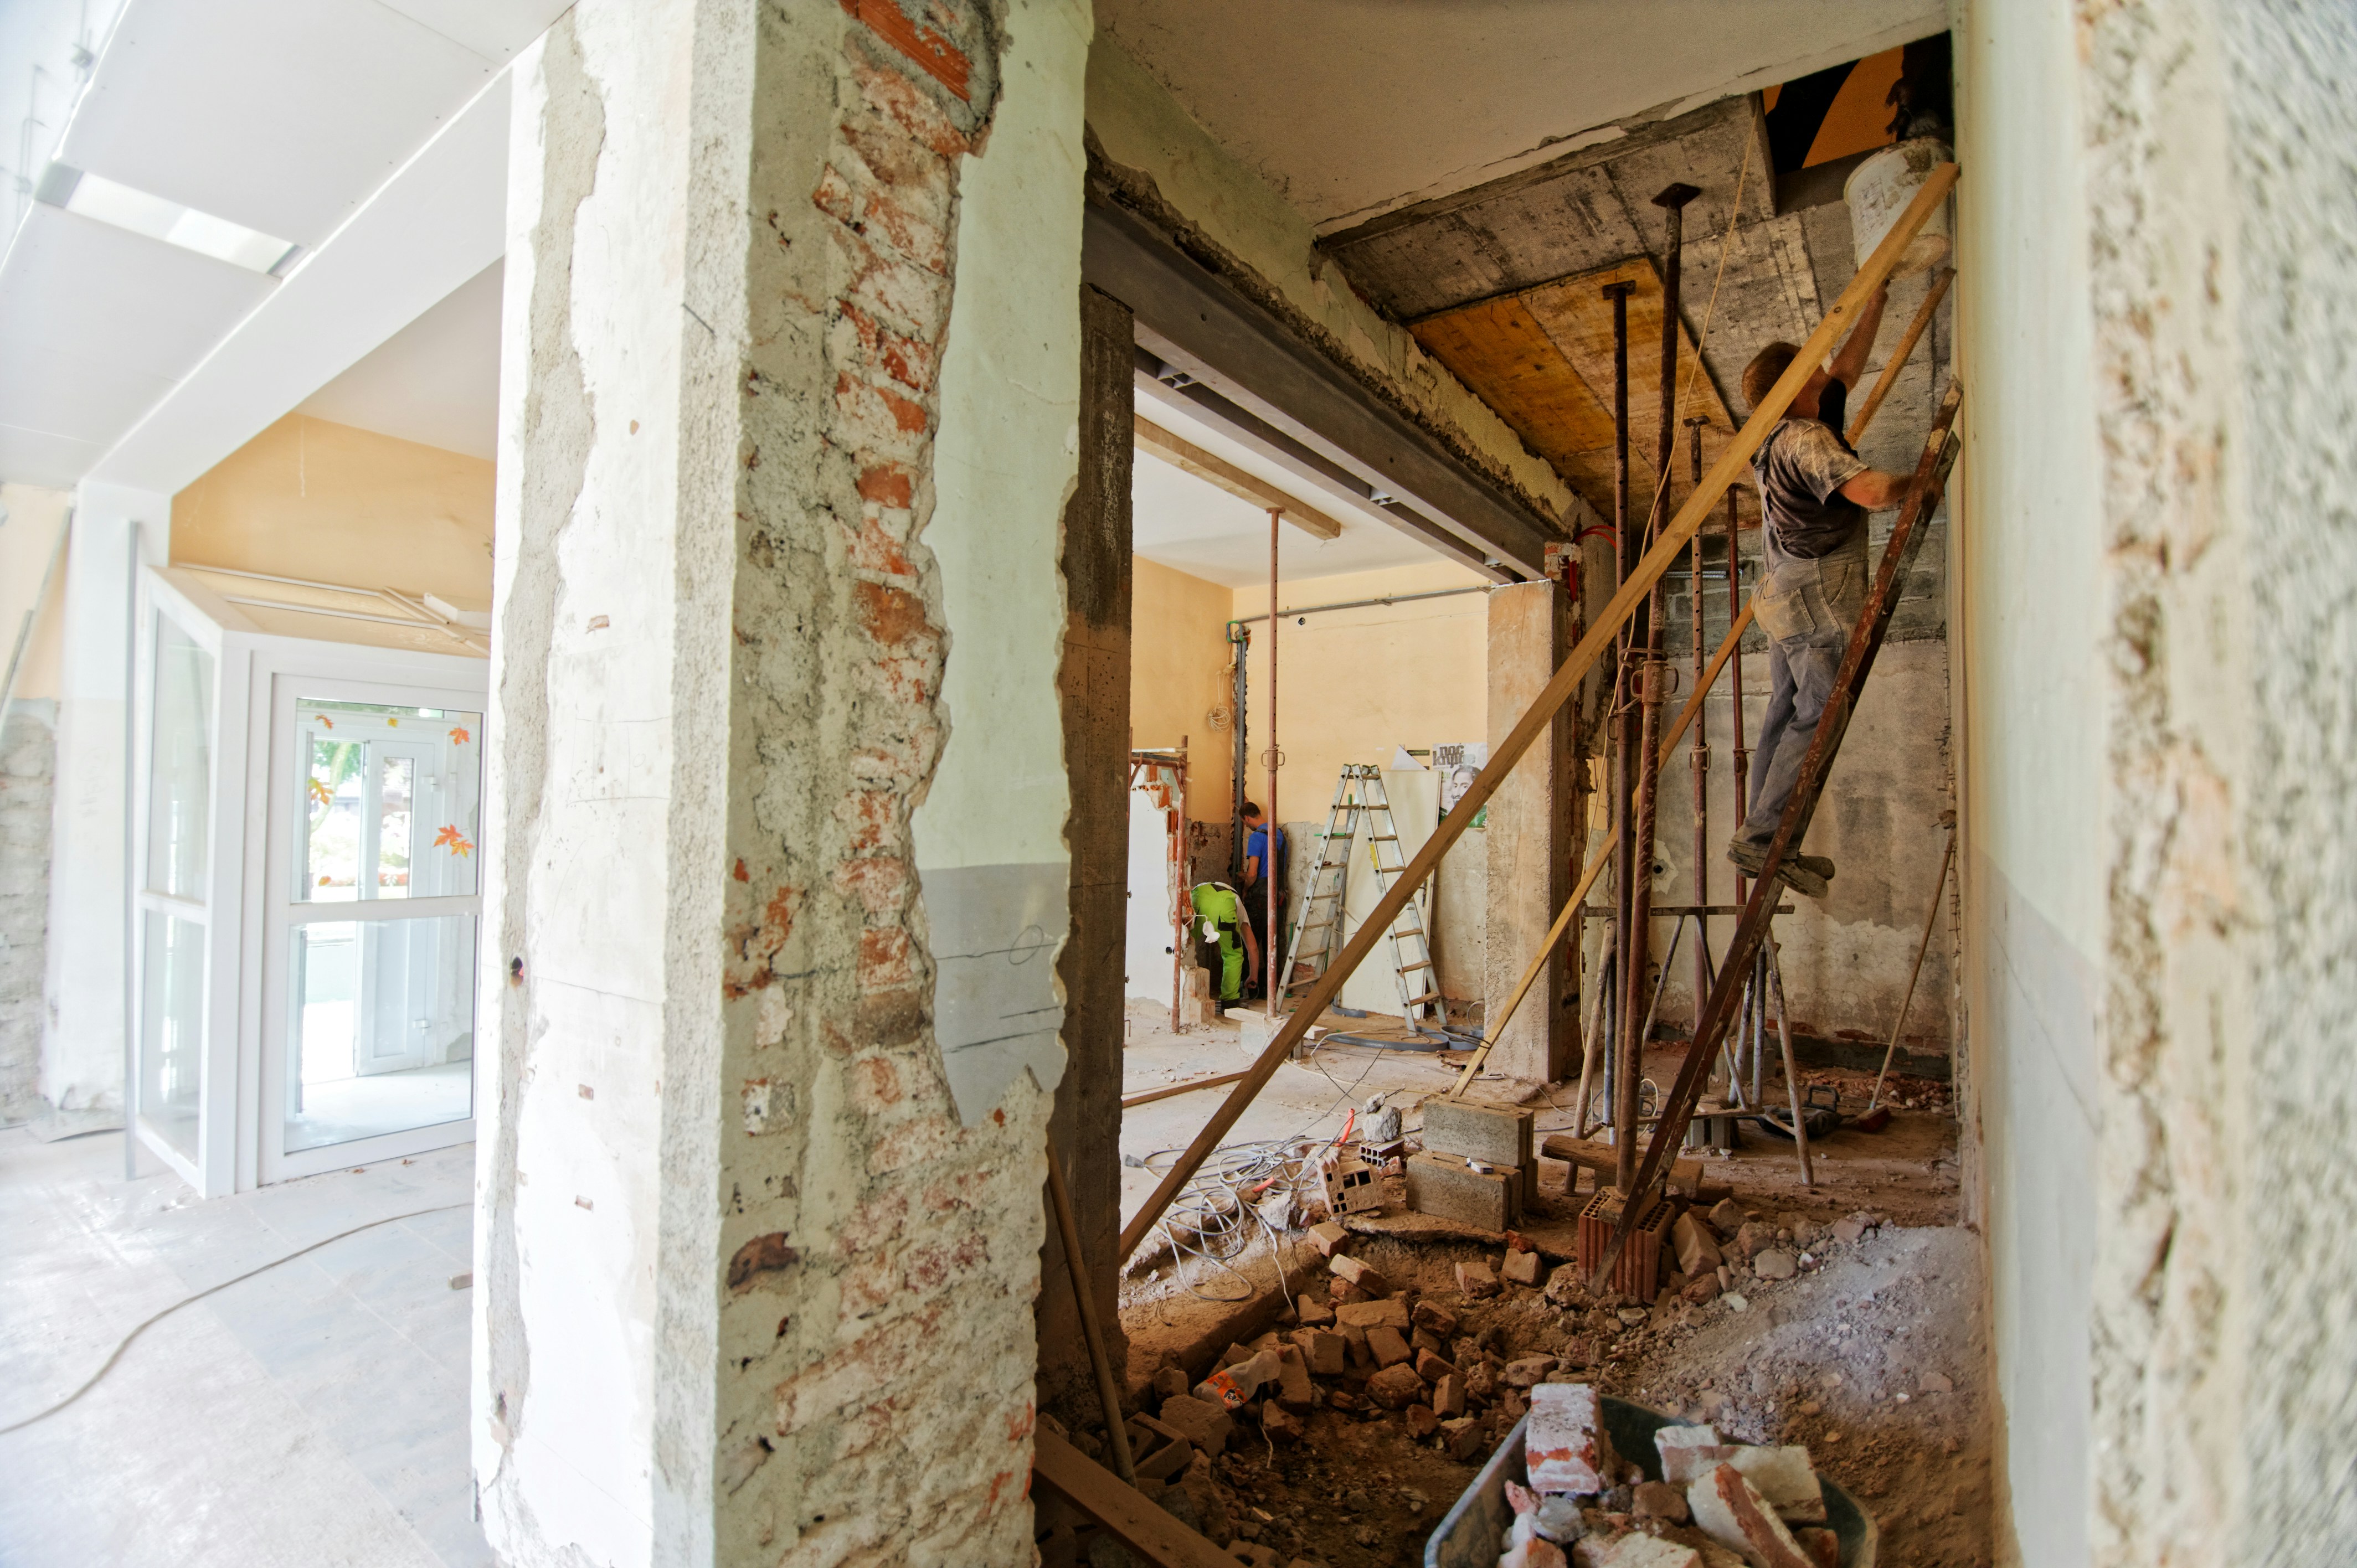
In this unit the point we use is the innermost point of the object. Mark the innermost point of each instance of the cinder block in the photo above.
(1492, 1134)
(1446, 1186)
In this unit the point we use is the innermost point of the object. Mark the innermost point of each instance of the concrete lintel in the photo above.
(1193, 321)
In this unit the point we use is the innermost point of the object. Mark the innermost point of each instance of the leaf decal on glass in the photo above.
(458, 737)
(319, 790)
(450, 838)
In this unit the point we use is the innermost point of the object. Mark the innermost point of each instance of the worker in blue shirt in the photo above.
(1257, 862)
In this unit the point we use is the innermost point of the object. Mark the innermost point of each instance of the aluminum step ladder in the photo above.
(1318, 934)
(1360, 799)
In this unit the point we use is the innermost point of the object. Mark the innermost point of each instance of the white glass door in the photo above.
(373, 915)
(173, 902)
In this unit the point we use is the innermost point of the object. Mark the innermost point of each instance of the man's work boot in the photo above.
(1798, 872)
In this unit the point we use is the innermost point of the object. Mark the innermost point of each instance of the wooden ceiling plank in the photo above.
(1213, 469)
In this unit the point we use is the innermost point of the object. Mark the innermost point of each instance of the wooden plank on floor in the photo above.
(1131, 1518)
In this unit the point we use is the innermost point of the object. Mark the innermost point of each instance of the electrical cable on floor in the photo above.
(124, 1343)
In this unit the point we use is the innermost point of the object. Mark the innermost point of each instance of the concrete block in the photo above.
(1565, 1445)
(1444, 1184)
(1495, 1135)
(1476, 1280)
(1730, 1510)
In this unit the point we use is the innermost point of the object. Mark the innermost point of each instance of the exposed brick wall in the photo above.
(877, 1335)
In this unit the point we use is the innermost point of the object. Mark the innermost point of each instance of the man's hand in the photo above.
(1876, 490)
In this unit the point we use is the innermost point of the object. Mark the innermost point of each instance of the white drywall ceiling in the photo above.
(288, 118)
(1193, 526)
(436, 381)
(1351, 107)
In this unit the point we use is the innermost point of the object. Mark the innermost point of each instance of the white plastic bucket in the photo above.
(1878, 190)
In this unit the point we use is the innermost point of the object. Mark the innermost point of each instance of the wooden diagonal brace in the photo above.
(1735, 968)
(1666, 549)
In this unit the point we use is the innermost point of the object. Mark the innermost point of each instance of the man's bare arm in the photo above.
(1849, 364)
(1252, 948)
(1876, 490)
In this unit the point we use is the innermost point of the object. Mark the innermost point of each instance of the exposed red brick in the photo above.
(740, 874)
(884, 959)
(934, 54)
(762, 1255)
(873, 549)
(887, 484)
(893, 616)
(878, 882)
(871, 814)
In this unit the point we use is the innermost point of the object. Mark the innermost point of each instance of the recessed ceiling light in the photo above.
(94, 196)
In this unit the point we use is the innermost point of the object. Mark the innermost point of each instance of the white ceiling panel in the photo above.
(99, 293)
(43, 457)
(281, 117)
(436, 380)
(71, 394)
(492, 28)
(1350, 107)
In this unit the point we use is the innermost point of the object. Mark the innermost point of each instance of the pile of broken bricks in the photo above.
(1364, 1349)
(1718, 1504)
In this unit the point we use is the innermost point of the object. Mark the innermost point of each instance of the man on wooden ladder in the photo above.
(1814, 494)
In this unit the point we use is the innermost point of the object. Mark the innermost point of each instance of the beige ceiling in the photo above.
(1351, 107)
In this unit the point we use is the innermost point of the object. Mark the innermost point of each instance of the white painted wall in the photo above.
(81, 1055)
(2028, 629)
(990, 833)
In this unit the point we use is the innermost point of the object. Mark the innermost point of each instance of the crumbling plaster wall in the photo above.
(748, 1283)
(29, 761)
(1160, 158)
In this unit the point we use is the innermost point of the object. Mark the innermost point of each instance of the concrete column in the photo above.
(116, 530)
(1095, 683)
(761, 1150)
(1529, 835)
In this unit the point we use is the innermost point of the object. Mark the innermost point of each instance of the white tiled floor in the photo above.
(313, 1415)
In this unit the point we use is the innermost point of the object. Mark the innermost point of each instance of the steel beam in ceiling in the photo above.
(1227, 357)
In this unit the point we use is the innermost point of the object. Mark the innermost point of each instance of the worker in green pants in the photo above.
(1224, 942)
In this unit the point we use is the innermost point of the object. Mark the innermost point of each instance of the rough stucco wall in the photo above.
(2293, 135)
(748, 1287)
(1161, 157)
(2174, 1040)
(1527, 836)
(1179, 675)
(27, 777)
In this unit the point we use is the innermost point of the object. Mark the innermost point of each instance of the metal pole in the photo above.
(1699, 757)
(1239, 766)
(1269, 937)
(1792, 1072)
(1929, 921)
(1739, 754)
(1108, 1391)
(1627, 940)
(1182, 905)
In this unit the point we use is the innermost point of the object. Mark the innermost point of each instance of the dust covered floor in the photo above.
(1873, 1353)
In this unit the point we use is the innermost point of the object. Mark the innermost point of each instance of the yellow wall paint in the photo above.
(1352, 684)
(311, 499)
(1179, 674)
(28, 539)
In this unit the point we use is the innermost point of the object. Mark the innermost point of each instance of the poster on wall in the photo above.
(1459, 765)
